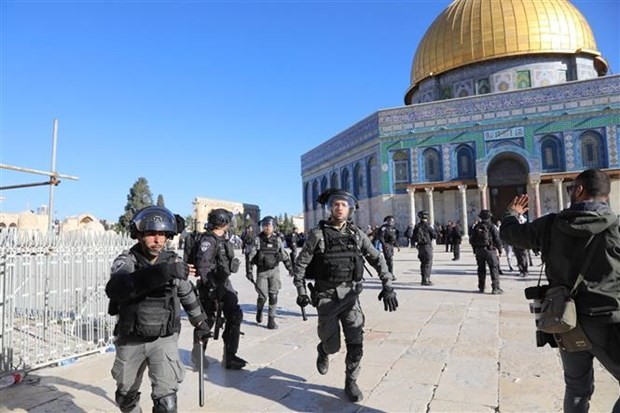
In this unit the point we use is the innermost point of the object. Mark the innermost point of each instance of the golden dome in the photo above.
(471, 31)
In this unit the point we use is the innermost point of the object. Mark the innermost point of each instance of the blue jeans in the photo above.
(579, 371)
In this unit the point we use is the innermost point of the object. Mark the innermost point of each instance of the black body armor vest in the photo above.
(390, 234)
(267, 254)
(222, 266)
(342, 260)
(154, 315)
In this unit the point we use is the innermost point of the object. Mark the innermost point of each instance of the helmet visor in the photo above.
(340, 201)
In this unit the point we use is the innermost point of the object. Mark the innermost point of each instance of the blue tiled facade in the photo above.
(552, 131)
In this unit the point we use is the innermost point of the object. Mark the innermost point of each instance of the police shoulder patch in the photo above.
(204, 246)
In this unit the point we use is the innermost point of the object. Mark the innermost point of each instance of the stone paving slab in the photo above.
(448, 348)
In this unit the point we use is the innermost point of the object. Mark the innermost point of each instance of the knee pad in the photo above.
(273, 299)
(355, 352)
(127, 402)
(165, 404)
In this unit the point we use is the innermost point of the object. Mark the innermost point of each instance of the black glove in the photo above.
(291, 273)
(303, 300)
(202, 333)
(178, 270)
(388, 295)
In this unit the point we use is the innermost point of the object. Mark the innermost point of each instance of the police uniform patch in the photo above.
(118, 264)
(204, 247)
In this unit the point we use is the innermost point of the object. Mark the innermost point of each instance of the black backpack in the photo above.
(423, 235)
(481, 235)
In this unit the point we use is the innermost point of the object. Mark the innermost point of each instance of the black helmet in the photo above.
(485, 214)
(423, 215)
(153, 218)
(268, 220)
(329, 196)
(389, 220)
(218, 218)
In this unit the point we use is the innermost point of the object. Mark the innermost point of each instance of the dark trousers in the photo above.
(486, 257)
(579, 371)
(388, 253)
(521, 256)
(425, 255)
(210, 299)
(456, 250)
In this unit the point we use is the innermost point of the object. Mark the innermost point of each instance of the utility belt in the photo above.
(264, 268)
(331, 293)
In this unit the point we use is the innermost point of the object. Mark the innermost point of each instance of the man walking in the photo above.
(267, 255)
(486, 244)
(145, 289)
(215, 262)
(333, 256)
(424, 234)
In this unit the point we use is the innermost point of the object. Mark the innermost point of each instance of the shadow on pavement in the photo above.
(292, 392)
(41, 393)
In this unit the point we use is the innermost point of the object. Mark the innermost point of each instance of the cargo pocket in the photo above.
(176, 365)
(117, 370)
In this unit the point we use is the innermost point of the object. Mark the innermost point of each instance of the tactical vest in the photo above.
(390, 234)
(342, 260)
(267, 255)
(152, 316)
(221, 267)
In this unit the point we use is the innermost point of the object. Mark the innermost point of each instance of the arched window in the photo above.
(358, 180)
(323, 184)
(306, 196)
(592, 150)
(550, 154)
(333, 180)
(465, 162)
(400, 164)
(371, 177)
(315, 193)
(432, 166)
(344, 180)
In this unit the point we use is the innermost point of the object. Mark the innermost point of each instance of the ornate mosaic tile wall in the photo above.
(491, 124)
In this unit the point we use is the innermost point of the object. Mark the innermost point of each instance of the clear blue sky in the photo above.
(216, 99)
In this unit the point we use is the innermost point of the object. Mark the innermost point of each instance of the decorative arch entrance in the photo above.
(507, 177)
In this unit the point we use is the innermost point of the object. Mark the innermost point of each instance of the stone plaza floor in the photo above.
(448, 348)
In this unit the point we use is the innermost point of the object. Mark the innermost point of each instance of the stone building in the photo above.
(28, 220)
(503, 100)
(202, 206)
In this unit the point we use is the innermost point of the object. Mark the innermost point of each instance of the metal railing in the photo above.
(52, 289)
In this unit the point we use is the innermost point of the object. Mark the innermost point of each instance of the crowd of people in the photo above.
(580, 247)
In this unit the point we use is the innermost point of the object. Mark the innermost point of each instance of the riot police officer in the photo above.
(333, 255)
(146, 286)
(423, 236)
(215, 262)
(388, 236)
(486, 244)
(267, 255)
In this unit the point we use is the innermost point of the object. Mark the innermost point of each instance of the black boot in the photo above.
(322, 360)
(232, 362)
(271, 324)
(353, 391)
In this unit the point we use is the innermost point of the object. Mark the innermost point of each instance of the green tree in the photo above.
(160, 201)
(140, 196)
